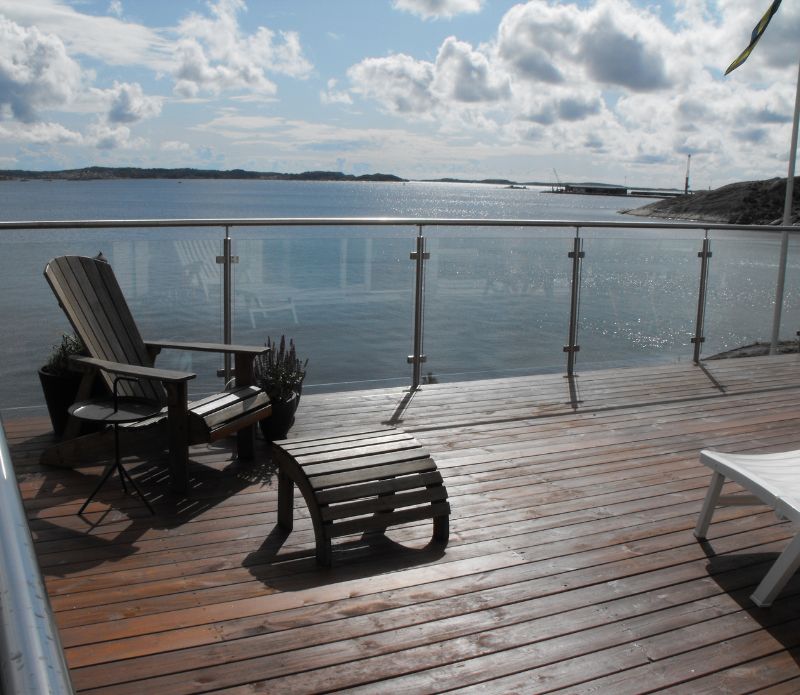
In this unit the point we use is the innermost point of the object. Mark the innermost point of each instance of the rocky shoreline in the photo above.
(746, 202)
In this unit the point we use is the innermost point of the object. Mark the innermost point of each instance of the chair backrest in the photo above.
(88, 292)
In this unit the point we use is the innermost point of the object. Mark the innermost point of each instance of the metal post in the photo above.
(31, 655)
(787, 221)
(699, 339)
(226, 260)
(420, 256)
(577, 254)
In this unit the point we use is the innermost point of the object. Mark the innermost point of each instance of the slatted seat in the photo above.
(360, 482)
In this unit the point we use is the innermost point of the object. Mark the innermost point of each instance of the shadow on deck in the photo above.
(571, 562)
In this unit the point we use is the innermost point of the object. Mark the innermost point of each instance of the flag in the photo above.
(755, 36)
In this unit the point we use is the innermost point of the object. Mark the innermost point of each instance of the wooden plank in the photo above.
(384, 503)
(379, 487)
(316, 470)
(571, 565)
(369, 468)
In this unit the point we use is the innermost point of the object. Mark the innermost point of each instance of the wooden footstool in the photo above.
(358, 482)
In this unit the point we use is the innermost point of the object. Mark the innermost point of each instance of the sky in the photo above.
(618, 91)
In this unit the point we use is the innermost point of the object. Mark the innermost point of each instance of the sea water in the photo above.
(497, 298)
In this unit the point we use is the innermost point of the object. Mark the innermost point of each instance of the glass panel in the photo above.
(343, 295)
(170, 296)
(497, 302)
(638, 297)
(743, 274)
(790, 321)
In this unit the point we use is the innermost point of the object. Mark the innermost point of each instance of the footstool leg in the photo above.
(441, 528)
(285, 501)
(324, 554)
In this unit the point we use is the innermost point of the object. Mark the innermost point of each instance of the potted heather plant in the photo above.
(59, 382)
(280, 373)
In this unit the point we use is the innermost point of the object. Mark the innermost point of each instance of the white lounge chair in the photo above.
(773, 480)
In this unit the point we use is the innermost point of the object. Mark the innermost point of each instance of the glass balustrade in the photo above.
(743, 271)
(496, 299)
(638, 296)
(344, 294)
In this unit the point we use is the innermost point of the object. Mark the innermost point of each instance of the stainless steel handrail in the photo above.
(383, 222)
(31, 657)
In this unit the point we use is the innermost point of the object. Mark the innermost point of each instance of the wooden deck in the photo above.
(571, 565)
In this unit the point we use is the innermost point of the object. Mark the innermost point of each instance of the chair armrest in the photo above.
(208, 347)
(163, 375)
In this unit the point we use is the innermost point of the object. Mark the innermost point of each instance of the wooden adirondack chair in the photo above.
(89, 294)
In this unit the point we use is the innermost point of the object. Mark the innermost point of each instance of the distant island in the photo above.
(746, 202)
(99, 173)
(94, 173)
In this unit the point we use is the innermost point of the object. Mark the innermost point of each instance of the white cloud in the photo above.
(333, 96)
(435, 9)
(606, 76)
(463, 74)
(129, 104)
(460, 81)
(105, 136)
(213, 56)
(35, 71)
(614, 56)
(39, 133)
(399, 83)
(296, 145)
(609, 44)
(105, 38)
(175, 146)
(115, 8)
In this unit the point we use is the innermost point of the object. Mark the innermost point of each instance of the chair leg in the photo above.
(246, 443)
(714, 489)
(178, 419)
(780, 573)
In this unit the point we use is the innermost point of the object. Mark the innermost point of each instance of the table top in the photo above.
(128, 409)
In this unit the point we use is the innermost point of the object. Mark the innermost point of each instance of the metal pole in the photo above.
(698, 339)
(572, 347)
(227, 299)
(31, 656)
(420, 256)
(787, 220)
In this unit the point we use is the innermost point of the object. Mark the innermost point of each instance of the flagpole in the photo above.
(787, 220)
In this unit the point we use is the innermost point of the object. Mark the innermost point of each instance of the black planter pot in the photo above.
(277, 425)
(60, 391)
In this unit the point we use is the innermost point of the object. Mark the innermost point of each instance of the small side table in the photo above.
(115, 411)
